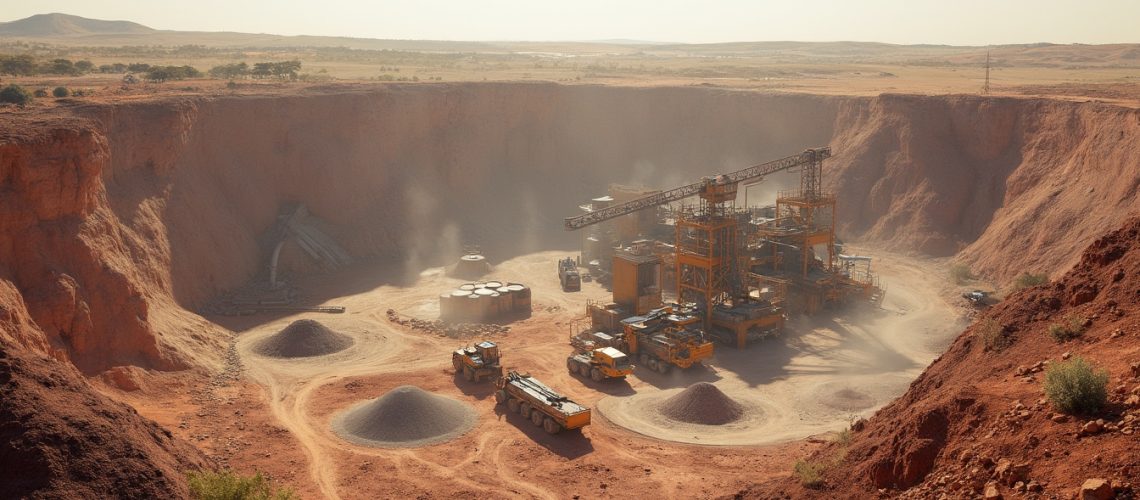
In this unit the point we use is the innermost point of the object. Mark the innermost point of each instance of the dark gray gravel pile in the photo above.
(702, 403)
(301, 339)
(406, 416)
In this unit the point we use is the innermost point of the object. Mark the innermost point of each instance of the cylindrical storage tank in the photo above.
(487, 304)
(521, 298)
(467, 286)
(480, 284)
(494, 285)
(495, 309)
(445, 307)
(473, 312)
(506, 300)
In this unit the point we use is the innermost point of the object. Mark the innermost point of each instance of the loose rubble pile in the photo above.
(702, 403)
(301, 339)
(444, 329)
(406, 416)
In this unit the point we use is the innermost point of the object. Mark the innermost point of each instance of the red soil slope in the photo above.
(61, 439)
(977, 415)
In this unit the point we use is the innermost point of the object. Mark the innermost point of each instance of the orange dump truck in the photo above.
(540, 404)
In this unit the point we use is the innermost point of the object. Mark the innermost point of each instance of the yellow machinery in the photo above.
(723, 258)
(543, 406)
(662, 339)
(637, 279)
(600, 364)
(478, 362)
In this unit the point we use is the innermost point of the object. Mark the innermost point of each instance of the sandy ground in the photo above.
(814, 380)
(824, 372)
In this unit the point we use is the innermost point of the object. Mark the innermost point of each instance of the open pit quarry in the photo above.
(123, 224)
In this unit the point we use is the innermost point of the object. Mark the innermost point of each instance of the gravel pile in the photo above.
(301, 339)
(702, 403)
(406, 416)
(849, 399)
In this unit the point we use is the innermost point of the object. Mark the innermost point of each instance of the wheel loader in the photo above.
(478, 362)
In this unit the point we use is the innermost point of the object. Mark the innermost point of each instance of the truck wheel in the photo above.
(500, 396)
(644, 359)
(536, 418)
(651, 364)
(524, 410)
(513, 405)
(550, 426)
(596, 375)
(468, 374)
(662, 367)
(572, 366)
(457, 364)
(584, 370)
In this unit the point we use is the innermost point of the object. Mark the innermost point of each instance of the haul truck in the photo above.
(661, 339)
(478, 362)
(568, 275)
(544, 407)
(598, 358)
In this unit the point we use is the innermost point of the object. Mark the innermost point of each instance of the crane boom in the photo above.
(808, 157)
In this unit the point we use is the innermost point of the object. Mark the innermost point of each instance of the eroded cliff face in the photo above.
(120, 220)
(1014, 185)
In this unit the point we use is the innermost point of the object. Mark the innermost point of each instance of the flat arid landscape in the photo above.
(239, 265)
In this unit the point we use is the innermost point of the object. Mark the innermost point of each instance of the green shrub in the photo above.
(1026, 280)
(60, 92)
(810, 474)
(994, 337)
(40, 93)
(230, 486)
(843, 437)
(15, 94)
(1071, 328)
(960, 274)
(1075, 386)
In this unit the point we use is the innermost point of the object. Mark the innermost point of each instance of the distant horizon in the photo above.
(968, 23)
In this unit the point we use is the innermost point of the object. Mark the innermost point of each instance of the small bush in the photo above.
(1075, 386)
(230, 486)
(844, 437)
(40, 93)
(60, 92)
(15, 94)
(994, 337)
(1026, 280)
(1071, 328)
(810, 474)
(961, 274)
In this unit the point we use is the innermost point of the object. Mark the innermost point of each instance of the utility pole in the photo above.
(986, 86)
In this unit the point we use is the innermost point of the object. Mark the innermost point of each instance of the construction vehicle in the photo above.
(478, 362)
(543, 406)
(568, 275)
(598, 359)
(661, 339)
(977, 298)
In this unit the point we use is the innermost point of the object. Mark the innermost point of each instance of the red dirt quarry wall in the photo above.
(991, 178)
(119, 220)
(61, 439)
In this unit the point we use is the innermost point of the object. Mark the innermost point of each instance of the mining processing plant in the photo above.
(741, 271)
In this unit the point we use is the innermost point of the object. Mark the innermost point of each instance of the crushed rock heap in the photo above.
(702, 403)
(301, 339)
(406, 416)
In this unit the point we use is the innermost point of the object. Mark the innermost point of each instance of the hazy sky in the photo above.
(957, 22)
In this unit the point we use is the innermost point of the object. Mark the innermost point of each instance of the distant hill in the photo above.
(47, 25)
